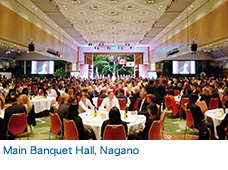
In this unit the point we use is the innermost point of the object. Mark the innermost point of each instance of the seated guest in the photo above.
(121, 95)
(51, 92)
(194, 89)
(114, 119)
(143, 134)
(198, 117)
(134, 95)
(186, 94)
(85, 105)
(31, 118)
(150, 98)
(64, 106)
(15, 108)
(84, 134)
(109, 102)
(206, 96)
(221, 128)
(30, 91)
(215, 94)
(103, 95)
(142, 106)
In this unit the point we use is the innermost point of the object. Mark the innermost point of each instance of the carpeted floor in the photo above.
(174, 130)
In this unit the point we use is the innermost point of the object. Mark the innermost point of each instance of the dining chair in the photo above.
(162, 119)
(203, 106)
(56, 125)
(214, 103)
(122, 103)
(189, 122)
(176, 92)
(99, 101)
(70, 130)
(155, 131)
(136, 103)
(114, 132)
(17, 124)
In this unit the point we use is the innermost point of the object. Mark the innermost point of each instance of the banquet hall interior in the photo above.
(113, 69)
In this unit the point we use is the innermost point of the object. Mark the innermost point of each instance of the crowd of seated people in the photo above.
(139, 93)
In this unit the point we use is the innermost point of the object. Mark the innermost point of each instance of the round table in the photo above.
(134, 121)
(41, 104)
(216, 116)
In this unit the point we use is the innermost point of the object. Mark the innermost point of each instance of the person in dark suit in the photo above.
(158, 91)
(84, 134)
(103, 95)
(142, 106)
(15, 108)
(63, 107)
(133, 97)
(194, 89)
(121, 95)
(143, 134)
(114, 119)
(198, 117)
(215, 94)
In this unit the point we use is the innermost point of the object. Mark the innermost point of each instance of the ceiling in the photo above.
(112, 22)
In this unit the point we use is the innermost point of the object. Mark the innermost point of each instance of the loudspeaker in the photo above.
(31, 47)
(194, 47)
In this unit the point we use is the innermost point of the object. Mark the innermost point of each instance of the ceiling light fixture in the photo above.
(112, 1)
(149, 1)
(129, 7)
(75, 1)
(95, 7)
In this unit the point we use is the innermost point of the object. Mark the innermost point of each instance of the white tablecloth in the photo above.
(177, 98)
(135, 121)
(216, 115)
(41, 104)
(2, 113)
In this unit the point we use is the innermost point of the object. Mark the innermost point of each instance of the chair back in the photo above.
(162, 119)
(155, 131)
(99, 101)
(176, 92)
(70, 130)
(189, 118)
(184, 101)
(114, 132)
(59, 100)
(56, 124)
(122, 103)
(136, 103)
(203, 106)
(17, 123)
(200, 91)
(42, 92)
(79, 99)
(35, 88)
(70, 92)
(168, 102)
(214, 103)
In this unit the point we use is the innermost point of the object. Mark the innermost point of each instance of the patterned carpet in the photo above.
(174, 130)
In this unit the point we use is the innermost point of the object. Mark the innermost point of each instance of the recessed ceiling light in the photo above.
(112, 1)
(75, 1)
(149, 1)
(95, 7)
(81, 12)
(129, 7)
(112, 13)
